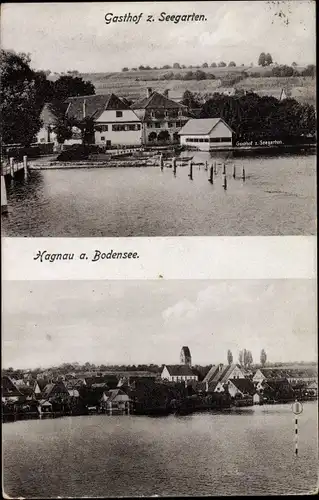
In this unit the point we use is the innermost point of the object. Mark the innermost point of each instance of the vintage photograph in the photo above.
(159, 388)
(158, 119)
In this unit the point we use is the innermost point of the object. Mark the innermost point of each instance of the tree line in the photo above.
(245, 358)
(253, 117)
(24, 92)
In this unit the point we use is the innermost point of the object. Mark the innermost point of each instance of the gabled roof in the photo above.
(94, 105)
(179, 370)
(113, 393)
(211, 374)
(244, 385)
(156, 101)
(201, 126)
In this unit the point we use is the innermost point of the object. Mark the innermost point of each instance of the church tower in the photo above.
(186, 358)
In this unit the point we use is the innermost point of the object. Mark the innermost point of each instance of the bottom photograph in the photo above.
(159, 388)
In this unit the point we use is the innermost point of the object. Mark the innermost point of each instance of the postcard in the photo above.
(159, 247)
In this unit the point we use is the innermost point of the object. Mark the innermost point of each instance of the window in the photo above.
(103, 128)
(119, 114)
(103, 138)
(220, 139)
(157, 125)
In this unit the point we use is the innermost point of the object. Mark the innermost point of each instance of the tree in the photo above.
(263, 357)
(176, 65)
(163, 136)
(241, 358)
(294, 64)
(189, 100)
(200, 75)
(213, 65)
(70, 86)
(232, 64)
(22, 95)
(125, 69)
(222, 64)
(262, 59)
(268, 59)
(229, 357)
(205, 65)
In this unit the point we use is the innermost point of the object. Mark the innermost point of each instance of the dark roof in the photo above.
(244, 385)
(179, 370)
(41, 383)
(157, 101)
(94, 105)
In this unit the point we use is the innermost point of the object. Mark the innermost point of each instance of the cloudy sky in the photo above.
(48, 323)
(64, 36)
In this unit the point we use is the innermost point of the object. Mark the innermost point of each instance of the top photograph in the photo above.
(158, 119)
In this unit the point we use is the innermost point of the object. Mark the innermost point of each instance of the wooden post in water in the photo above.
(11, 167)
(161, 161)
(190, 175)
(4, 202)
(234, 171)
(174, 165)
(215, 168)
(25, 166)
(224, 168)
(244, 174)
(211, 175)
(206, 165)
(225, 182)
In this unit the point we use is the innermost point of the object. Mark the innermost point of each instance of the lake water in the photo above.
(244, 451)
(277, 198)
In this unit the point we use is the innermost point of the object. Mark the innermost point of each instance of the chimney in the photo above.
(220, 367)
(165, 93)
(149, 91)
(84, 108)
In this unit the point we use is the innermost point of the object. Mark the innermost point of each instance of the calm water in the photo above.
(278, 198)
(247, 451)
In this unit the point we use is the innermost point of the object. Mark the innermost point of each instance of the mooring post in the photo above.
(11, 167)
(174, 165)
(161, 161)
(244, 174)
(206, 165)
(225, 182)
(211, 175)
(4, 202)
(234, 171)
(25, 166)
(215, 168)
(190, 175)
(224, 168)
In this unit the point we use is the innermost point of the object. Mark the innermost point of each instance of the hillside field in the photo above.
(133, 84)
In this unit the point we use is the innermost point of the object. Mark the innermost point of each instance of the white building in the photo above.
(114, 122)
(206, 134)
(178, 373)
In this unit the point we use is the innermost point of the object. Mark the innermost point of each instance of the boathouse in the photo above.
(206, 134)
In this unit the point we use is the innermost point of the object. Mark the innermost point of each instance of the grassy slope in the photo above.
(133, 84)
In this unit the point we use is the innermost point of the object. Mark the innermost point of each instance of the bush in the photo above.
(76, 152)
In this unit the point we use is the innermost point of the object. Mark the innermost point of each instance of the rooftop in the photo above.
(201, 126)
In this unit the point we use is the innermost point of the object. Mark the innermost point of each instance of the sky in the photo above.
(46, 323)
(74, 36)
